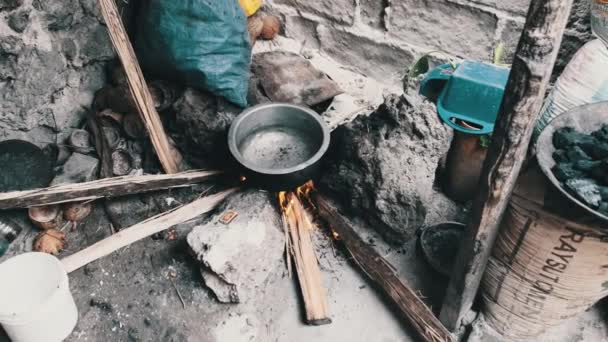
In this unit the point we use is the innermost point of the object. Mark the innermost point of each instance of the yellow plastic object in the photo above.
(250, 6)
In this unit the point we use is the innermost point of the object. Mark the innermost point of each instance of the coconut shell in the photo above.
(110, 114)
(255, 25)
(134, 127)
(77, 211)
(272, 26)
(121, 163)
(50, 241)
(46, 217)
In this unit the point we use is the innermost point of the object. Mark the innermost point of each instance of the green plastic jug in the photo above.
(470, 93)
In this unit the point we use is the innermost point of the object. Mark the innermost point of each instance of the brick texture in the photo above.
(439, 24)
(341, 11)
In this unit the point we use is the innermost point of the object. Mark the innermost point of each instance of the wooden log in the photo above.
(300, 226)
(144, 229)
(107, 187)
(137, 85)
(381, 273)
(532, 67)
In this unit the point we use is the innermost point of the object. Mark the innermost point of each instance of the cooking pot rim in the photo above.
(277, 171)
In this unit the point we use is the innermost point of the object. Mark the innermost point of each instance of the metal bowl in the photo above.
(280, 146)
(584, 119)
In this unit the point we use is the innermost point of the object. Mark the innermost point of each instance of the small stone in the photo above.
(604, 193)
(77, 169)
(103, 306)
(565, 171)
(586, 190)
(576, 153)
(601, 134)
(19, 21)
(600, 150)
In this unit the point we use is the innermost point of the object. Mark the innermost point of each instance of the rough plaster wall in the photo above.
(381, 38)
(52, 59)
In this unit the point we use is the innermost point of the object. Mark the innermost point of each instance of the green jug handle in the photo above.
(432, 85)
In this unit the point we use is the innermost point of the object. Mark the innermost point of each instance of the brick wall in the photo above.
(381, 38)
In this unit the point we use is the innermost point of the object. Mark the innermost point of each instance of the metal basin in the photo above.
(279, 146)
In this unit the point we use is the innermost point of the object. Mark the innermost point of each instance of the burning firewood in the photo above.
(299, 243)
(382, 274)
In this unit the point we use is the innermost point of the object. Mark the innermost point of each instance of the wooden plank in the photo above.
(532, 67)
(144, 229)
(107, 187)
(300, 226)
(137, 85)
(381, 273)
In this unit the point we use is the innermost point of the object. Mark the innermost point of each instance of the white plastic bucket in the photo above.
(35, 300)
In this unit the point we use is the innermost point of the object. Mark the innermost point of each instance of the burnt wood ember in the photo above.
(382, 274)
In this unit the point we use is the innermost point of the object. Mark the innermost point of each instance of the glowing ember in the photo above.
(243, 178)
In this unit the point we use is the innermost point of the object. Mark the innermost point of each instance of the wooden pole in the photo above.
(379, 271)
(107, 187)
(532, 67)
(144, 229)
(137, 85)
(300, 226)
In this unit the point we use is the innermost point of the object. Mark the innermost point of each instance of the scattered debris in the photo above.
(228, 216)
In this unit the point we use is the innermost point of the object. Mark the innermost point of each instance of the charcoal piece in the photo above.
(565, 171)
(601, 134)
(560, 156)
(603, 208)
(576, 153)
(587, 190)
(600, 150)
(604, 193)
(567, 136)
(586, 165)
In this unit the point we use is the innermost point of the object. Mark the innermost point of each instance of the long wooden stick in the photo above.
(137, 85)
(300, 227)
(144, 229)
(379, 271)
(107, 187)
(532, 67)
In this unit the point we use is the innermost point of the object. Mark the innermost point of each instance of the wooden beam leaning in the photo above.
(532, 67)
(144, 229)
(107, 187)
(382, 274)
(138, 86)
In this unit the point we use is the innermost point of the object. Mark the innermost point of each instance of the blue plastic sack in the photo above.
(200, 43)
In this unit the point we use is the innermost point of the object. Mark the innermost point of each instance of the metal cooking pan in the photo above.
(279, 146)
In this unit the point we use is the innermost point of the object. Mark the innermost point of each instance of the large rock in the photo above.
(238, 257)
(202, 121)
(52, 59)
(383, 166)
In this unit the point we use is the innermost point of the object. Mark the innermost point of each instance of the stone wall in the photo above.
(53, 55)
(381, 38)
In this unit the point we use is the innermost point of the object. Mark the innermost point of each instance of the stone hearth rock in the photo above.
(202, 121)
(77, 169)
(383, 167)
(237, 258)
